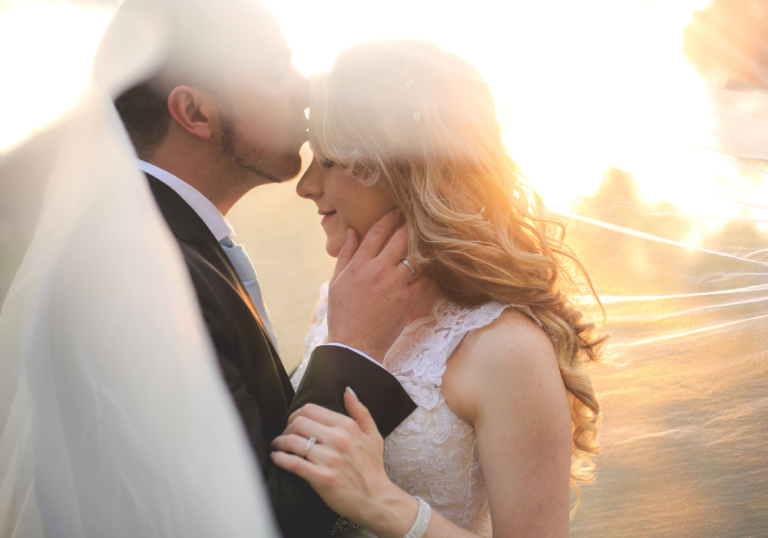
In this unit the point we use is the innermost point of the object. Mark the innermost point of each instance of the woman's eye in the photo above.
(328, 163)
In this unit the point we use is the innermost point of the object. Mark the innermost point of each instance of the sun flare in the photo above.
(46, 51)
(581, 86)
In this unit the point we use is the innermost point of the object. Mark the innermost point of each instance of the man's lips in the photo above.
(327, 216)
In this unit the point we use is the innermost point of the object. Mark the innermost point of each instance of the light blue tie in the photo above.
(244, 267)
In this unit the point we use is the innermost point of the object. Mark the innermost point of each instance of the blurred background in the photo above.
(646, 121)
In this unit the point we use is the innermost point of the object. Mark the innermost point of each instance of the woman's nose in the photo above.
(311, 183)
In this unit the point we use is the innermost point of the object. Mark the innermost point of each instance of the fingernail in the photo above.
(349, 234)
(352, 392)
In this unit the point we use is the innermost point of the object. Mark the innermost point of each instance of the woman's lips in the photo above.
(327, 217)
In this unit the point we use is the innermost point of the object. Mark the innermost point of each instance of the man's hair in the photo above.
(202, 35)
(144, 111)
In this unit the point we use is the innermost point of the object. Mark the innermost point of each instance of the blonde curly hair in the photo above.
(422, 122)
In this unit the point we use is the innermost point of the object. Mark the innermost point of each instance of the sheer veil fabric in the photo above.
(114, 418)
(114, 422)
(684, 289)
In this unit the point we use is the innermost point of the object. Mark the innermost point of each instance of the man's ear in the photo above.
(194, 110)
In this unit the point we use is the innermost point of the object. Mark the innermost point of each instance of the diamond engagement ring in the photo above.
(310, 443)
(409, 265)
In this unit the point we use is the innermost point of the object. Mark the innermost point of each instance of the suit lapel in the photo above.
(187, 226)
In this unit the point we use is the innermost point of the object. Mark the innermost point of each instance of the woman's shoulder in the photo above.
(506, 354)
(508, 333)
(514, 334)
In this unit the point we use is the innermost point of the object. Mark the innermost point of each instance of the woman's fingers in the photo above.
(306, 427)
(347, 252)
(315, 412)
(396, 251)
(318, 453)
(376, 237)
(294, 444)
(360, 413)
(319, 414)
(344, 466)
(307, 470)
(397, 247)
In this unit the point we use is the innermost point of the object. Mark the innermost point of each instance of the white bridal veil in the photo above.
(685, 286)
(114, 419)
(686, 403)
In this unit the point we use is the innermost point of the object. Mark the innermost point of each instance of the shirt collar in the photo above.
(216, 222)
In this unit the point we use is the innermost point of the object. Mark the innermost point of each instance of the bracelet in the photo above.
(422, 520)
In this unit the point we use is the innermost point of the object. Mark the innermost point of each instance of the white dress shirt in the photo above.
(217, 224)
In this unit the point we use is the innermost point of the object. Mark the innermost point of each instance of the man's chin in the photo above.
(286, 171)
(290, 170)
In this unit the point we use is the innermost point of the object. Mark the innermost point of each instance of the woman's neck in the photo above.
(424, 306)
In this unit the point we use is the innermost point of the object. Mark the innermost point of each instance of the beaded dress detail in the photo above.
(433, 453)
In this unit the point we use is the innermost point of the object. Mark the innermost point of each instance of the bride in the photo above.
(494, 356)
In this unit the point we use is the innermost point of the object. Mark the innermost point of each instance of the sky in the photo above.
(581, 86)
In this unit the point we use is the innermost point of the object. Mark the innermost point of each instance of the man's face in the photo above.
(262, 102)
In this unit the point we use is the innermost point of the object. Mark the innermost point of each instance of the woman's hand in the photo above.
(345, 466)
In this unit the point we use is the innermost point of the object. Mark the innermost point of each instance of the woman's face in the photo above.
(343, 202)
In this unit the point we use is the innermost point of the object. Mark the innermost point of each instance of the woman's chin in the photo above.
(332, 248)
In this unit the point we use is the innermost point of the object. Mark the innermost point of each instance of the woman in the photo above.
(493, 355)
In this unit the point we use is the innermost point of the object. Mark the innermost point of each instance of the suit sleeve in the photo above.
(332, 369)
(300, 511)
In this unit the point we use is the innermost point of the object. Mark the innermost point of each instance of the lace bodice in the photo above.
(433, 453)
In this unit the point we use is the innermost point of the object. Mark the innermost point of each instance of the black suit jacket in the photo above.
(256, 377)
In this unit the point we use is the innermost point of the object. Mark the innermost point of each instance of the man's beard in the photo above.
(269, 166)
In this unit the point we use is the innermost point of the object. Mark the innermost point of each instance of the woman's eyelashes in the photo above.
(327, 163)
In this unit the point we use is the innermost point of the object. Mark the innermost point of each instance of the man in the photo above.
(225, 114)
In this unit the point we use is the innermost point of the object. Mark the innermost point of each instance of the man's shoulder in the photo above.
(183, 221)
(200, 249)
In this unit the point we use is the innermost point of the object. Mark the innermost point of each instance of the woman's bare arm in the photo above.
(505, 381)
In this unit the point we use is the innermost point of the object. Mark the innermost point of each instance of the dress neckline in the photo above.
(432, 316)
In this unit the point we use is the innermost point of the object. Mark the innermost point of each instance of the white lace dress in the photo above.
(433, 453)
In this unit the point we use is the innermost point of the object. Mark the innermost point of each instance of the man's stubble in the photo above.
(255, 159)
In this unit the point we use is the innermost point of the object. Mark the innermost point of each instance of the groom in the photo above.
(225, 114)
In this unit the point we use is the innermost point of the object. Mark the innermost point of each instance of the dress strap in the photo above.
(424, 347)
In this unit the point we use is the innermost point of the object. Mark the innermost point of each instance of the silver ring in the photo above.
(310, 443)
(409, 265)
